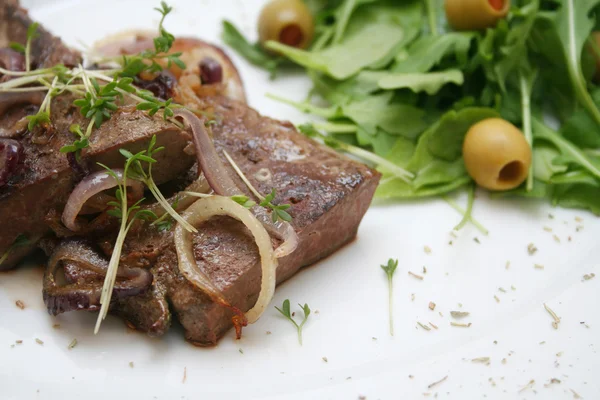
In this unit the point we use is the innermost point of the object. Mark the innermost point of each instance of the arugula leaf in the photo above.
(396, 118)
(578, 196)
(430, 82)
(428, 51)
(543, 162)
(580, 128)
(569, 152)
(357, 50)
(251, 52)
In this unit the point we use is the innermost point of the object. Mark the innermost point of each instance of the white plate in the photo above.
(348, 289)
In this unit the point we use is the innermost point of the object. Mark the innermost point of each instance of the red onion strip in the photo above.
(90, 186)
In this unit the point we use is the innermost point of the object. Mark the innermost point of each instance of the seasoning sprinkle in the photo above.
(18, 341)
(427, 250)
(507, 265)
(453, 235)
(72, 344)
(538, 266)
(56, 326)
(501, 289)
(512, 287)
(483, 360)
(431, 305)
(424, 269)
(578, 219)
(459, 314)
(412, 297)
(130, 364)
(20, 304)
(184, 375)
(547, 229)
(550, 216)
(497, 299)
(268, 332)
(578, 228)
(419, 277)
(575, 394)
(531, 249)
(460, 325)
(38, 341)
(556, 238)
(476, 240)
(424, 326)
(528, 386)
(437, 382)
(241, 351)
(433, 325)
(554, 316)
(587, 277)
(325, 359)
(504, 361)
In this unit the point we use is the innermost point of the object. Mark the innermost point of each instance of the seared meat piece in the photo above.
(46, 179)
(46, 50)
(329, 194)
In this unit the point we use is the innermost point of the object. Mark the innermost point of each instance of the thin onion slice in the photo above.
(220, 181)
(90, 186)
(203, 210)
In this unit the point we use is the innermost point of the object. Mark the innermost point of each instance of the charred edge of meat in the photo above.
(86, 295)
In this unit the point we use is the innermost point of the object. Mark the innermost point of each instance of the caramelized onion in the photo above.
(90, 186)
(203, 210)
(86, 295)
(220, 181)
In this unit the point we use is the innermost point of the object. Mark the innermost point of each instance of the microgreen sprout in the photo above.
(277, 211)
(285, 311)
(389, 270)
(20, 241)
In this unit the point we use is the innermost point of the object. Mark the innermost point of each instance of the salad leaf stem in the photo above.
(431, 18)
(467, 216)
(526, 87)
(461, 211)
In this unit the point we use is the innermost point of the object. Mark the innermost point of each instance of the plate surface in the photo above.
(347, 352)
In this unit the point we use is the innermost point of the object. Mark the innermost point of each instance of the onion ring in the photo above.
(220, 181)
(201, 211)
(90, 186)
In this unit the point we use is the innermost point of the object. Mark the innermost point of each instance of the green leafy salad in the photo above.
(400, 84)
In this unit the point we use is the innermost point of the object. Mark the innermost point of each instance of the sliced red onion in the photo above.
(10, 99)
(86, 295)
(90, 186)
(220, 181)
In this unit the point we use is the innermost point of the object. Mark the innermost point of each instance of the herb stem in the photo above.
(391, 305)
(467, 215)
(459, 209)
(324, 112)
(527, 130)
(432, 18)
(165, 204)
(243, 177)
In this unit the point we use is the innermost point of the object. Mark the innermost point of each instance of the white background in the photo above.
(348, 289)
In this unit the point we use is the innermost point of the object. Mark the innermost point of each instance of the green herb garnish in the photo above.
(277, 211)
(20, 241)
(389, 270)
(285, 311)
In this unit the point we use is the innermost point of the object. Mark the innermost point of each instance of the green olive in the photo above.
(496, 154)
(467, 15)
(286, 21)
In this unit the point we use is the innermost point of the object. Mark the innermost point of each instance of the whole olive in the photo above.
(466, 15)
(286, 21)
(496, 154)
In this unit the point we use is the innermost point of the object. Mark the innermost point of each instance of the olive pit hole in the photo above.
(497, 5)
(511, 172)
(291, 35)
